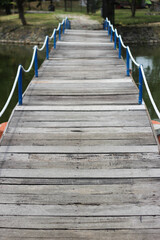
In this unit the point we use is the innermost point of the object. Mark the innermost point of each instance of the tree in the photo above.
(6, 4)
(65, 5)
(20, 6)
(108, 10)
(88, 3)
(133, 7)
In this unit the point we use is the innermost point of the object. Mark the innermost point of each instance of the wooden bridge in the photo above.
(79, 159)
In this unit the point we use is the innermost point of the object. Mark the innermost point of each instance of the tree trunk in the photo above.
(108, 10)
(8, 9)
(88, 2)
(21, 11)
(65, 5)
(93, 8)
(133, 7)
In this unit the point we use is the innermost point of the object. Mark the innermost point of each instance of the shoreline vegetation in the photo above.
(144, 28)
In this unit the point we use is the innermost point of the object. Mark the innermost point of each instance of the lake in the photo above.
(11, 56)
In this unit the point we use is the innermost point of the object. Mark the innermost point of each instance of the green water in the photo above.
(11, 56)
(149, 57)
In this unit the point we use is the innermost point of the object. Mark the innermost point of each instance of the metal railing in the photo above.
(65, 24)
(142, 78)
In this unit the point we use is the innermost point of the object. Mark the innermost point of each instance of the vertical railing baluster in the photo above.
(47, 48)
(104, 25)
(60, 32)
(115, 40)
(119, 47)
(127, 61)
(63, 28)
(111, 34)
(140, 85)
(20, 87)
(54, 40)
(36, 64)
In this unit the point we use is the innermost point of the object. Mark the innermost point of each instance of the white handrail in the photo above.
(12, 91)
(30, 67)
(149, 93)
(138, 65)
(32, 61)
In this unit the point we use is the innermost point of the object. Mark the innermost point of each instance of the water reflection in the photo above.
(149, 57)
(10, 57)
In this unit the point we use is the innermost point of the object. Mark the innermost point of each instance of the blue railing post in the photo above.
(47, 48)
(115, 40)
(63, 28)
(108, 29)
(20, 87)
(60, 32)
(36, 64)
(140, 85)
(111, 34)
(67, 24)
(119, 47)
(54, 45)
(127, 61)
(104, 25)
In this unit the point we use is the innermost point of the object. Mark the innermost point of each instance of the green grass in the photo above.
(123, 17)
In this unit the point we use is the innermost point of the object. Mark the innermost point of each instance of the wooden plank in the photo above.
(71, 181)
(116, 194)
(46, 141)
(83, 223)
(81, 161)
(79, 173)
(83, 62)
(79, 210)
(81, 100)
(84, 43)
(82, 108)
(107, 130)
(117, 234)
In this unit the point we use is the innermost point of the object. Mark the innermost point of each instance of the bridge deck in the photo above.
(79, 159)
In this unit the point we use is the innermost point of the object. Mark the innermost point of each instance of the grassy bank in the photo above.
(41, 24)
(123, 17)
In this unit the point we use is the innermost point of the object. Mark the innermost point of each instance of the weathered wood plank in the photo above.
(81, 161)
(83, 223)
(79, 210)
(82, 108)
(46, 141)
(83, 62)
(90, 130)
(80, 173)
(123, 234)
(116, 194)
(72, 181)
(81, 100)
